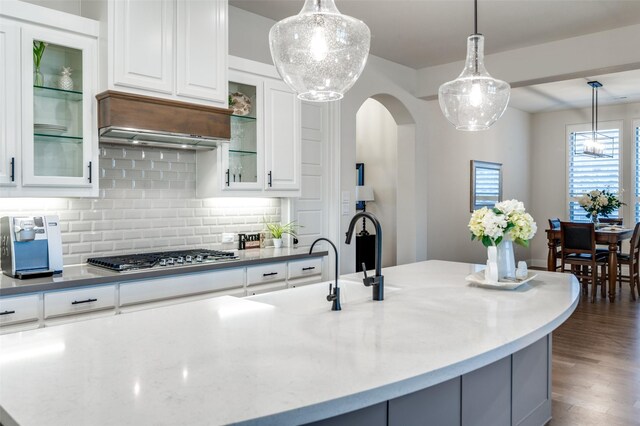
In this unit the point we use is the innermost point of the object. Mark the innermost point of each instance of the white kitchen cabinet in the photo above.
(18, 313)
(79, 301)
(263, 157)
(132, 293)
(143, 44)
(304, 268)
(173, 49)
(9, 102)
(48, 130)
(282, 137)
(262, 274)
(20, 309)
(201, 50)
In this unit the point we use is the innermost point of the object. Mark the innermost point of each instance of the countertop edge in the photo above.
(357, 401)
(116, 277)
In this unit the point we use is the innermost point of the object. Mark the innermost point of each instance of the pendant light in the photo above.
(320, 53)
(595, 143)
(474, 100)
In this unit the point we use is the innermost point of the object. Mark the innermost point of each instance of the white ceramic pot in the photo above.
(277, 242)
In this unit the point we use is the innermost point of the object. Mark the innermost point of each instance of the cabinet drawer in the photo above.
(266, 273)
(180, 285)
(14, 310)
(304, 268)
(265, 288)
(79, 301)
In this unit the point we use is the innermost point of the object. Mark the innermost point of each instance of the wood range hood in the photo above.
(127, 118)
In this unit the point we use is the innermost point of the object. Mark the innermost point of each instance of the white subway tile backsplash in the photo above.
(147, 202)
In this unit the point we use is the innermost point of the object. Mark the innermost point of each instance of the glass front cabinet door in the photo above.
(59, 133)
(242, 160)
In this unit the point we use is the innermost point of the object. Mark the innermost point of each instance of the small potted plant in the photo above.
(278, 230)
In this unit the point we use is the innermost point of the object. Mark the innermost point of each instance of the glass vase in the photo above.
(595, 220)
(506, 260)
(38, 78)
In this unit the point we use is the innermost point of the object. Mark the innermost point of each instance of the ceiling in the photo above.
(422, 33)
(617, 88)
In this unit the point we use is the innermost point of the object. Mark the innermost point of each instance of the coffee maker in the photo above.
(30, 246)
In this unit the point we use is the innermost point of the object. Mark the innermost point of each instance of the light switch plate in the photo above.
(227, 237)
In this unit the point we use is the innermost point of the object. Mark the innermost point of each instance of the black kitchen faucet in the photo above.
(377, 281)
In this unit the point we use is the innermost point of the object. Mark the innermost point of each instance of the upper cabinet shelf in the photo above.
(55, 93)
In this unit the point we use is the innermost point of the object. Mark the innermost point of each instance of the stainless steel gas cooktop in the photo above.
(164, 259)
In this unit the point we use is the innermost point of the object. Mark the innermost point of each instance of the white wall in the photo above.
(450, 153)
(377, 148)
(549, 149)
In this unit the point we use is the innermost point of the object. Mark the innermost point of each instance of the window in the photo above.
(486, 184)
(586, 173)
(636, 137)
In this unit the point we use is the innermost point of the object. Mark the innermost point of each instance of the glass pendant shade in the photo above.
(474, 100)
(320, 53)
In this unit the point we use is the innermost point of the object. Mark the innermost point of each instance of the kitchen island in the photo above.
(285, 358)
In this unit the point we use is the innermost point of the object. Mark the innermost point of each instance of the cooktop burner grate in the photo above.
(159, 259)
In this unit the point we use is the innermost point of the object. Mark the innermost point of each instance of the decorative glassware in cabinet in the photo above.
(243, 149)
(57, 110)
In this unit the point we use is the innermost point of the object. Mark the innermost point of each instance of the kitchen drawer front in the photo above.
(14, 310)
(266, 273)
(79, 301)
(265, 288)
(180, 285)
(304, 268)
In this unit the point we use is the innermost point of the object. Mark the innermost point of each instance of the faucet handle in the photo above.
(368, 281)
(330, 297)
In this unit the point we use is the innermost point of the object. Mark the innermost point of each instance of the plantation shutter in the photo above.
(587, 173)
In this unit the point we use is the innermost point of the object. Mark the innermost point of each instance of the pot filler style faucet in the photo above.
(377, 281)
(334, 291)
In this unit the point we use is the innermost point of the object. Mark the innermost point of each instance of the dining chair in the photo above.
(608, 221)
(578, 249)
(554, 223)
(631, 259)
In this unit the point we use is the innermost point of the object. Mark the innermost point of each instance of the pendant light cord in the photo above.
(593, 113)
(475, 16)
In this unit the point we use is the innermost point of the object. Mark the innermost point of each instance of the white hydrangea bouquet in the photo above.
(599, 203)
(507, 219)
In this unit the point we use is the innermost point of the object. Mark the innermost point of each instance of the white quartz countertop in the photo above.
(278, 358)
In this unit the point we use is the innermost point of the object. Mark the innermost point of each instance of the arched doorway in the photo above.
(385, 143)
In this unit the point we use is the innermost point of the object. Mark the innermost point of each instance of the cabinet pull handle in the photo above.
(7, 312)
(309, 268)
(227, 182)
(269, 274)
(13, 169)
(270, 183)
(77, 302)
(90, 178)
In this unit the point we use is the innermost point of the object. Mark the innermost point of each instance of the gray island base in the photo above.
(436, 351)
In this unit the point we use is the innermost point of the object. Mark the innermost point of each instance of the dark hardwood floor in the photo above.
(596, 364)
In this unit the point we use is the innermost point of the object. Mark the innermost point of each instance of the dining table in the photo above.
(610, 237)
